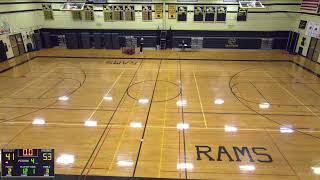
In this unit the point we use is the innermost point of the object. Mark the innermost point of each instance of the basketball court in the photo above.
(165, 118)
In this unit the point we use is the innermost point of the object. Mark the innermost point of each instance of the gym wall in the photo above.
(270, 19)
(276, 17)
(279, 15)
(23, 18)
(308, 18)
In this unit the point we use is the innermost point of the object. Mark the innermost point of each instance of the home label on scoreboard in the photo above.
(27, 163)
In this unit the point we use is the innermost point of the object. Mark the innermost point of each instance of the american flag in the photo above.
(310, 5)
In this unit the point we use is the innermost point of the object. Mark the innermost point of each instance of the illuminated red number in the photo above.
(27, 152)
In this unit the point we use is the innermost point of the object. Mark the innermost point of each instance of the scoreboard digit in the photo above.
(27, 163)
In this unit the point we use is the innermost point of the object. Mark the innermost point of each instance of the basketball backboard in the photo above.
(73, 5)
(251, 4)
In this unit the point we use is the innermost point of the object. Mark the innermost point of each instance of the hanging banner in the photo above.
(159, 11)
(198, 13)
(313, 30)
(47, 11)
(182, 13)
(129, 13)
(209, 13)
(88, 12)
(108, 13)
(221, 13)
(172, 11)
(146, 12)
(118, 13)
(242, 14)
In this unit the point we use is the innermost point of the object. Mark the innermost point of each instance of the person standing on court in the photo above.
(141, 45)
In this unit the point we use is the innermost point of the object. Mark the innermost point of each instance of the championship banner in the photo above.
(242, 14)
(158, 11)
(172, 11)
(182, 13)
(198, 13)
(209, 13)
(108, 13)
(221, 13)
(129, 13)
(313, 30)
(118, 13)
(146, 12)
(88, 12)
(47, 11)
(4, 26)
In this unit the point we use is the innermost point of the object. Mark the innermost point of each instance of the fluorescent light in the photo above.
(124, 163)
(63, 98)
(218, 101)
(181, 126)
(286, 130)
(247, 167)
(107, 98)
(316, 170)
(143, 101)
(264, 106)
(38, 121)
(230, 128)
(181, 103)
(90, 123)
(184, 166)
(65, 159)
(135, 124)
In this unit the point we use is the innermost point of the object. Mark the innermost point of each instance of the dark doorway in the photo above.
(3, 52)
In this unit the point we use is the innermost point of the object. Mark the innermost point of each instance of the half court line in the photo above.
(146, 123)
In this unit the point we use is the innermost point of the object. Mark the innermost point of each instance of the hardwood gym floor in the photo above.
(167, 118)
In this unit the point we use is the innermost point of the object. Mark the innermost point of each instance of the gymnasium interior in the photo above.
(160, 89)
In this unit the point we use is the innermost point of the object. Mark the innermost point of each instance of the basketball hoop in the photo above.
(253, 4)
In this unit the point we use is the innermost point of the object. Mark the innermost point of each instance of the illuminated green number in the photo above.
(32, 160)
(25, 171)
(34, 171)
(9, 171)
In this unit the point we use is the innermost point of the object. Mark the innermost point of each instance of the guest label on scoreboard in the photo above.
(27, 163)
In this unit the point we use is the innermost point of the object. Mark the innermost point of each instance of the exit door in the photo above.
(21, 48)
(14, 45)
(316, 52)
(314, 49)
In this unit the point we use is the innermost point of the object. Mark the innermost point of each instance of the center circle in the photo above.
(164, 90)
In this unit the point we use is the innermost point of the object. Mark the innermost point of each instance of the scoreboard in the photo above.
(27, 163)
